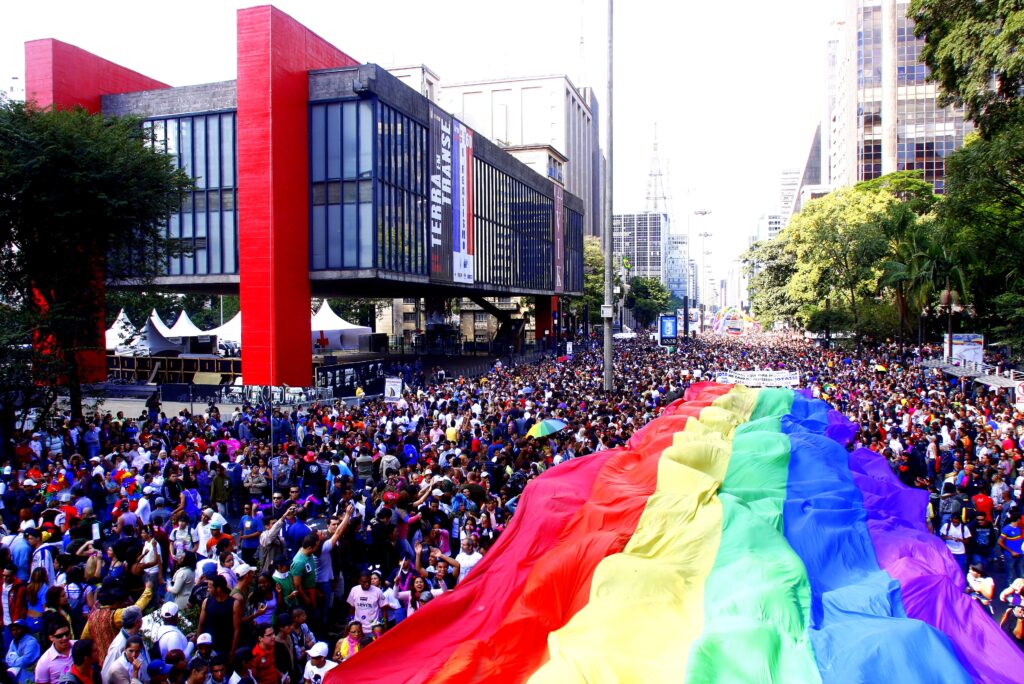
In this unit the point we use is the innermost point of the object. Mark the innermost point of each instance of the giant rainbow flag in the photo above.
(734, 539)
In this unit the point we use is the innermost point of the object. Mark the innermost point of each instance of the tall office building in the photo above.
(676, 263)
(882, 113)
(641, 238)
(789, 189)
(547, 122)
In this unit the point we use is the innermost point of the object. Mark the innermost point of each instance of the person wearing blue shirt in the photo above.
(23, 653)
(21, 556)
(295, 529)
(250, 528)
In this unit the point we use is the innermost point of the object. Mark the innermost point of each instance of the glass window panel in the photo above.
(213, 201)
(199, 135)
(318, 143)
(365, 234)
(334, 141)
(230, 232)
(172, 140)
(350, 236)
(334, 192)
(365, 139)
(186, 225)
(365, 191)
(319, 255)
(214, 147)
(185, 145)
(349, 144)
(349, 196)
(334, 229)
(319, 194)
(174, 226)
(215, 242)
(200, 225)
(227, 199)
(227, 149)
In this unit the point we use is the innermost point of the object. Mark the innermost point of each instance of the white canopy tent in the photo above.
(331, 331)
(184, 327)
(230, 331)
(121, 332)
(150, 341)
(158, 324)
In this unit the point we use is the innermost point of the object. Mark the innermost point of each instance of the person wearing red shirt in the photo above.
(264, 669)
(983, 504)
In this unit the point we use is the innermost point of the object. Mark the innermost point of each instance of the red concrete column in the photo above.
(275, 52)
(61, 75)
(544, 320)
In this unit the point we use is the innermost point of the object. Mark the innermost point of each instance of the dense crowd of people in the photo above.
(264, 545)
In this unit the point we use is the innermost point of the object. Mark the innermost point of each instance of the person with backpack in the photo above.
(169, 636)
(956, 534)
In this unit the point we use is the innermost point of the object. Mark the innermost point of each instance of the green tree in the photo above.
(838, 242)
(973, 51)
(647, 298)
(593, 282)
(771, 265)
(82, 196)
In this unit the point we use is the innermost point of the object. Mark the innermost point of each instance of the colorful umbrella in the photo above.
(545, 428)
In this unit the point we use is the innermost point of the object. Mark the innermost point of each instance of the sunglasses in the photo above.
(62, 635)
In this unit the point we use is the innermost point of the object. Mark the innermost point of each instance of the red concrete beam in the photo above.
(275, 52)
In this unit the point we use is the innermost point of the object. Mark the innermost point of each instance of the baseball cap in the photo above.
(210, 570)
(214, 525)
(319, 650)
(243, 569)
(158, 667)
(208, 511)
(204, 638)
(169, 609)
(29, 482)
(148, 490)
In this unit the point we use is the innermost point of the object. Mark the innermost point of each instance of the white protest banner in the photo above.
(392, 389)
(762, 378)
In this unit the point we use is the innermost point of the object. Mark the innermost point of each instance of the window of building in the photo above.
(409, 317)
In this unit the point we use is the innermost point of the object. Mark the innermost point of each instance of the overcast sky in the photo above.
(735, 88)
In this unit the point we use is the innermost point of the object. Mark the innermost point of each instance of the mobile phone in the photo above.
(95, 531)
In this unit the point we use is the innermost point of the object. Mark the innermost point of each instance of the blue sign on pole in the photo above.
(668, 331)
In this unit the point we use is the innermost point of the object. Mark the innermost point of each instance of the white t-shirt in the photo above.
(957, 534)
(467, 561)
(316, 674)
(367, 605)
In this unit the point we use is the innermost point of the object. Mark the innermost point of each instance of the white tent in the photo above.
(331, 331)
(184, 327)
(230, 331)
(120, 332)
(151, 341)
(158, 324)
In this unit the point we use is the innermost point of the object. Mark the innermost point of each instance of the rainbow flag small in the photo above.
(734, 539)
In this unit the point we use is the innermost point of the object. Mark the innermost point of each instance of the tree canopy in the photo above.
(647, 298)
(973, 51)
(82, 197)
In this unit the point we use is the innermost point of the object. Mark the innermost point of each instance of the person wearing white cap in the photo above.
(318, 665)
(169, 637)
(145, 509)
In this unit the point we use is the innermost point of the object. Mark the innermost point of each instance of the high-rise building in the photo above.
(14, 89)
(546, 113)
(676, 266)
(641, 238)
(882, 111)
(769, 225)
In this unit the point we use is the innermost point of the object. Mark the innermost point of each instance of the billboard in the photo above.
(668, 331)
(462, 204)
(441, 219)
(966, 347)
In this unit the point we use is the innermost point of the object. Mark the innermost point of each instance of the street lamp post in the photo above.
(700, 285)
(608, 186)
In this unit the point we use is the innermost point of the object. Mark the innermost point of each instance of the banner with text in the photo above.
(462, 206)
(760, 378)
(441, 221)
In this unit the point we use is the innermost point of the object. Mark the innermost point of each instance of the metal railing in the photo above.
(986, 368)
